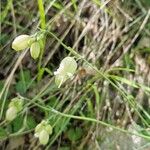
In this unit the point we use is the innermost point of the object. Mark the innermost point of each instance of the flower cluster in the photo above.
(65, 71)
(14, 107)
(25, 41)
(42, 131)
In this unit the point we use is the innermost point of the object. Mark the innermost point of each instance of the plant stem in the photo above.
(43, 26)
(91, 120)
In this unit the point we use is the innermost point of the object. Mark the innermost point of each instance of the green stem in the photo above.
(104, 75)
(43, 26)
(91, 120)
(42, 14)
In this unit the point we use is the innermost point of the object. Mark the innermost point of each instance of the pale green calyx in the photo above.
(14, 107)
(11, 113)
(65, 71)
(43, 137)
(21, 42)
(35, 50)
(16, 102)
(42, 131)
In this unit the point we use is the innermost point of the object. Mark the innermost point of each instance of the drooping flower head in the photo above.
(42, 131)
(65, 71)
(14, 107)
(24, 41)
(21, 42)
(35, 50)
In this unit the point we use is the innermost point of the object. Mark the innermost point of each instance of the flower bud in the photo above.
(48, 128)
(42, 131)
(35, 50)
(14, 107)
(17, 103)
(38, 129)
(21, 42)
(65, 71)
(11, 113)
(43, 137)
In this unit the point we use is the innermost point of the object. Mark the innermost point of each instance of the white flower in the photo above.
(65, 71)
(59, 70)
(21, 42)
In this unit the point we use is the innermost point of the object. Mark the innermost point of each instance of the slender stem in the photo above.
(91, 120)
(43, 26)
(104, 75)
(42, 14)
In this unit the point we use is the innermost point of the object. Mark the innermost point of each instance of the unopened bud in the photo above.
(13, 108)
(35, 50)
(11, 113)
(42, 131)
(38, 129)
(48, 128)
(43, 137)
(21, 42)
(17, 103)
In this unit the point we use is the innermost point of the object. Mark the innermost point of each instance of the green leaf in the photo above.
(124, 80)
(3, 133)
(1, 85)
(31, 122)
(57, 5)
(74, 134)
(24, 81)
(128, 62)
(20, 88)
(146, 2)
(17, 124)
(64, 148)
(60, 125)
(52, 101)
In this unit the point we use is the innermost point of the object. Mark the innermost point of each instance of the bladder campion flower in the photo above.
(14, 107)
(43, 137)
(65, 71)
(11, 113)
(35, 50)
(21, 42)
(42, 131)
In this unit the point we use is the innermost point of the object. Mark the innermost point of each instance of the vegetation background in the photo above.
(106, 106)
